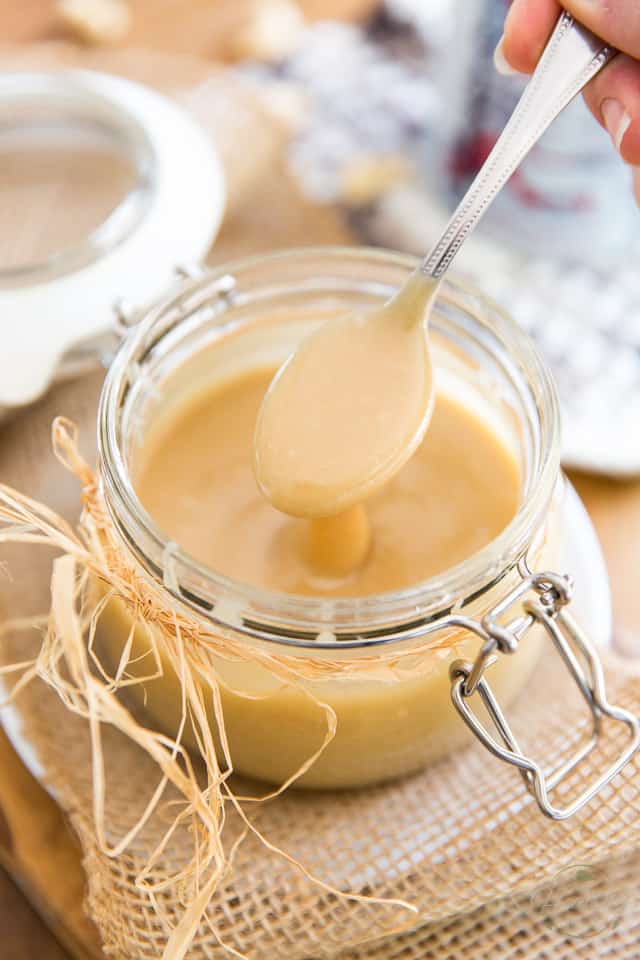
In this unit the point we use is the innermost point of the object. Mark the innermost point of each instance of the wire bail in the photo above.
(542, 598)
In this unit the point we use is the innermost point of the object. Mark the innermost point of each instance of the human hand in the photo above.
(613, 96)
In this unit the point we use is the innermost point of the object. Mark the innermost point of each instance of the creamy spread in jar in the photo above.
(438, 509)
(372, 582)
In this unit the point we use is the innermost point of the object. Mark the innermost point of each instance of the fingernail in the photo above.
(636, 184)
(616, 120)
(500, 62)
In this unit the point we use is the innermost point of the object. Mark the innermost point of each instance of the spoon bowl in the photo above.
(348, 408)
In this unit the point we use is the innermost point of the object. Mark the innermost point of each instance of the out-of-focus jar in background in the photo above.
(570, 198)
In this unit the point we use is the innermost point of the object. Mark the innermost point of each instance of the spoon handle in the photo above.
(570, 60)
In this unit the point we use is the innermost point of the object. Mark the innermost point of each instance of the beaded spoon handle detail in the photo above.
(572, 57)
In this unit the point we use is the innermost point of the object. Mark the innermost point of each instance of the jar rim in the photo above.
(316, 622)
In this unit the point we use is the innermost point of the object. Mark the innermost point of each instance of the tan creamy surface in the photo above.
(457, 493)
(348, 408)
(195, 476)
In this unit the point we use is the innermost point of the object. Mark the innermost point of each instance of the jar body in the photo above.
(385, 728)
(386, 710)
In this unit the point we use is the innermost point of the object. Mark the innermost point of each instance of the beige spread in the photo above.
(439, 508)
(194, 474)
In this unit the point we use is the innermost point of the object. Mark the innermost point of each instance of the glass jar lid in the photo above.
(110, 185)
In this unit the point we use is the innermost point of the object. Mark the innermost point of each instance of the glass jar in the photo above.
(403, 668)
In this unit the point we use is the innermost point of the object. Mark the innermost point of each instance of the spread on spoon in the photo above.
(341, 417)
(348, 408)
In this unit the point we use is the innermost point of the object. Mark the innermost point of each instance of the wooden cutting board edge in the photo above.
(37, 849)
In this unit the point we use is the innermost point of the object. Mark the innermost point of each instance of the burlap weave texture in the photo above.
(455, 839)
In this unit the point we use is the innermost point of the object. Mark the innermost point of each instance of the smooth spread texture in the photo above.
(195, 477)
(194, 474)
(348, 408)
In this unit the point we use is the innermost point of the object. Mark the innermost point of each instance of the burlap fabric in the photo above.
(451, 840)
(488, 876)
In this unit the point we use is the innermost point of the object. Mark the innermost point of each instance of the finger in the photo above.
(616, 21)
(528, 26)
(614, 99)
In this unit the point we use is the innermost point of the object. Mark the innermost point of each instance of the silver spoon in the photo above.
(352, 404)
(571, 58)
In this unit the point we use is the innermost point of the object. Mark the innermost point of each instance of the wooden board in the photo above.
(41, 853)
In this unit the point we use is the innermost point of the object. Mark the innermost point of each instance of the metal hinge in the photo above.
(542, 598)
(193, 291)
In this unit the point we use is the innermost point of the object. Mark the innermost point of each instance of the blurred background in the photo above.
(380, 111)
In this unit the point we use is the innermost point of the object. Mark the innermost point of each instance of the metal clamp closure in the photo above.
(541, 598)
(193, 290)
